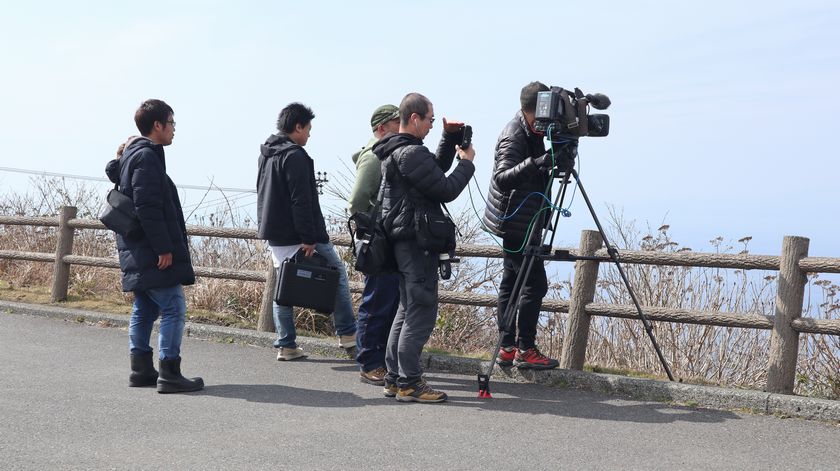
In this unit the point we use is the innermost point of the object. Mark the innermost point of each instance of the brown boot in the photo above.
(375, 377)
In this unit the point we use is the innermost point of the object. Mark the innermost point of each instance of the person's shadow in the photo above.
(279, 394)
(518, 398)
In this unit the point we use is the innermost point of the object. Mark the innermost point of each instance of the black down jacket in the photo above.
(141, 174)
(421, 182)
(515, 176)
(288, 211)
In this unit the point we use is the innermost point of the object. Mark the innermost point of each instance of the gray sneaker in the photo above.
(347, 341)
(286, 354)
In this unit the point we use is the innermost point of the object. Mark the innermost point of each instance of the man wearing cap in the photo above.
(381, 296)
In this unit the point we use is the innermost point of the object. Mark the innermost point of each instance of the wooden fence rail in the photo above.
(786, 324)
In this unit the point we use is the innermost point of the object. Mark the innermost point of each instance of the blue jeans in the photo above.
(170, 305)
(345, 324)
(380, 301)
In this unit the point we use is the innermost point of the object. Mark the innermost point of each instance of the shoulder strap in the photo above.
(374, 210)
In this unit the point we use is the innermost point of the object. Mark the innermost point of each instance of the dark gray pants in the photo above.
(416, 316)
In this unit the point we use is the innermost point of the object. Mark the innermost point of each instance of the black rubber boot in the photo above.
(143, 372)
(171, 381)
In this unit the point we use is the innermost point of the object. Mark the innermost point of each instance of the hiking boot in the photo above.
(390, 389)
(506, 356)
(533, 359)
(347, 341)
(420, 392)
(375, 377)
(290, 353)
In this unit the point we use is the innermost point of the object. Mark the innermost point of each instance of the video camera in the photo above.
(566, 113)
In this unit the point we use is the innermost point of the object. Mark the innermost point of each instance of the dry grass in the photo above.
(698, 354)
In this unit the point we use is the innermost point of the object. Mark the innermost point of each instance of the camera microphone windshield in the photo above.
(599, 101)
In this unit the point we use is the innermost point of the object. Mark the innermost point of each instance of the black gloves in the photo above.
(543, 162)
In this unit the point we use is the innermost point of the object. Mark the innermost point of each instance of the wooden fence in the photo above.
(793, 264)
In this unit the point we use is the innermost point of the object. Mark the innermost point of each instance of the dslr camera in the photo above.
(565, 113)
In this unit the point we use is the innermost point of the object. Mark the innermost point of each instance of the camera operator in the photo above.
(521, 168)
(415, 187)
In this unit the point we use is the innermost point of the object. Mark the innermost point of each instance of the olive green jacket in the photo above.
(368, 178)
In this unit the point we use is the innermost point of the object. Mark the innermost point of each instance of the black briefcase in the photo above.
(307, 282)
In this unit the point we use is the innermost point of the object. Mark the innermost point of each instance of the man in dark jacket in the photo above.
(415, 184)
(289, 217)
(156, 263)
(520, 173)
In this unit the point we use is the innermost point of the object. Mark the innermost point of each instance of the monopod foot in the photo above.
(484, 387)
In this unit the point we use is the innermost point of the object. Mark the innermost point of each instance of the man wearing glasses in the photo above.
(157, 263)
(416, 185)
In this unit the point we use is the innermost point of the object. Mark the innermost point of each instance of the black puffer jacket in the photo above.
(421, 181)
(515, 176)
(141, 173)
(288, 211)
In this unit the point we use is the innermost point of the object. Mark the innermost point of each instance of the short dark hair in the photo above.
(151, 111)
(413, 103)
(292, 115)
(528, 96)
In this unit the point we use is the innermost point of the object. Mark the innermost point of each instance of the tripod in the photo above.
(538, 253)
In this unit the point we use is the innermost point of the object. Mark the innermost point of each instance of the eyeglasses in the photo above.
(171, 122)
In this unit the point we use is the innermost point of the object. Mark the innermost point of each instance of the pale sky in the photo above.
(723, 119)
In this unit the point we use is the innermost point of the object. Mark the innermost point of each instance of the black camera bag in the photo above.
(370, 245)
(435, 232)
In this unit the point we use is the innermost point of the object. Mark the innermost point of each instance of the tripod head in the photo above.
(564, 150)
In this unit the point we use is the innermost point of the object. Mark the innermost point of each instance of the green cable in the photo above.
(533, 219)
(487, 229)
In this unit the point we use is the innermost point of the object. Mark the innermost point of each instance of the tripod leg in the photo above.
(613, 253)
(564, 184)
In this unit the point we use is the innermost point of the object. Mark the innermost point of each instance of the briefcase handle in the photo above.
(316, 260)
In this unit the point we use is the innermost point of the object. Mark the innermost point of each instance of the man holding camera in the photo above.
(521, 168)
(415, 187)
(381, 296)
(289, 217)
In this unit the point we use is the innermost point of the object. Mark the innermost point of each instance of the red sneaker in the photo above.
(533, 359)
(506, 356)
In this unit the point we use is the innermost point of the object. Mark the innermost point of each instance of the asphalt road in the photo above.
(65, 404)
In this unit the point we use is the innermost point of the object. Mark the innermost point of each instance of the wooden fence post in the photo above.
(266, 319)
(63, 246)
(784, 341)
(583, 293)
